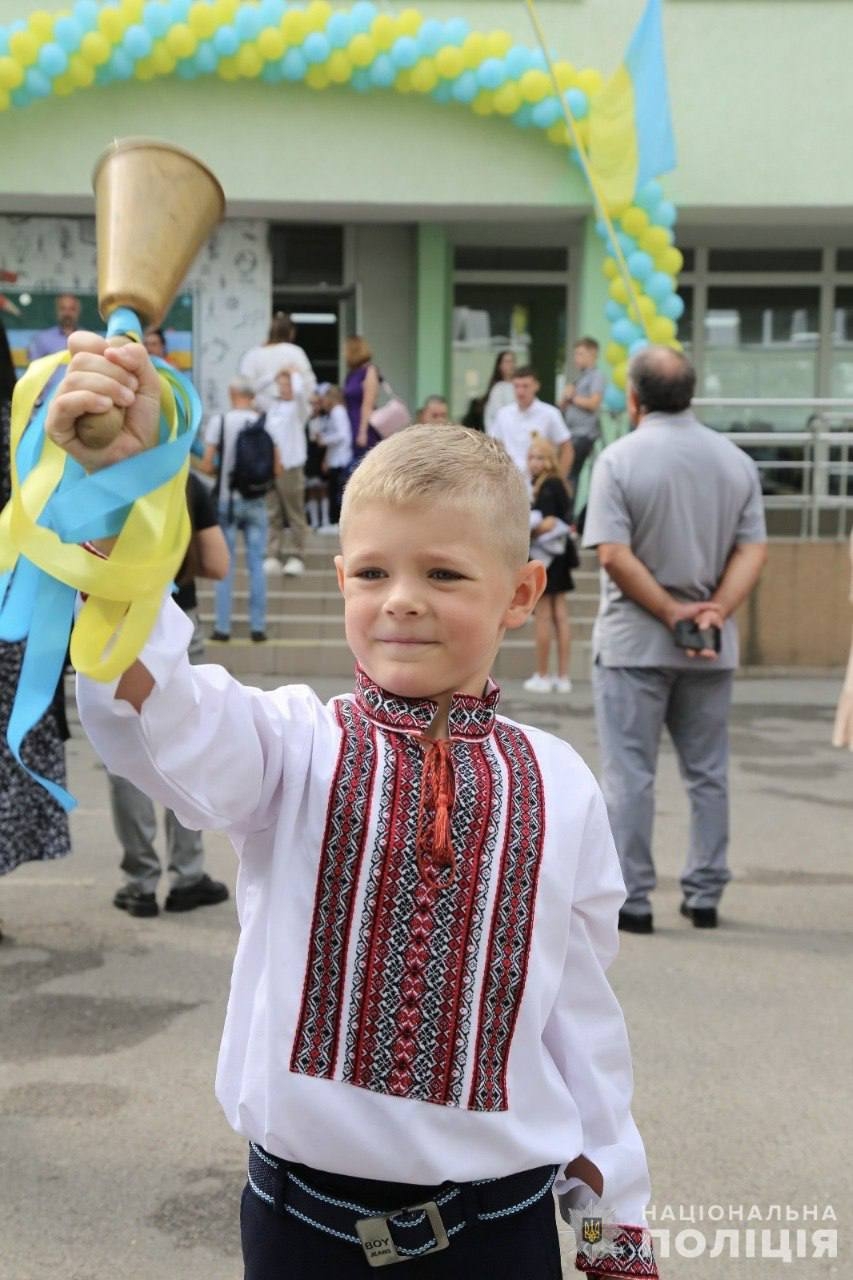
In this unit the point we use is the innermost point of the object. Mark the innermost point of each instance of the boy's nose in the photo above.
(400, 601)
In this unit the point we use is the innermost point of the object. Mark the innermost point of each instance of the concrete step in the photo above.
(329, 626)
(295, 604)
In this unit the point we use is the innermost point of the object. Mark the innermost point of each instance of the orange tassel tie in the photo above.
(433, 843)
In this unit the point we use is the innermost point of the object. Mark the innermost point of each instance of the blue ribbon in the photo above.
(35, 606)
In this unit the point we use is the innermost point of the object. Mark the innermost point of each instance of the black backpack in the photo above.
(253, 473)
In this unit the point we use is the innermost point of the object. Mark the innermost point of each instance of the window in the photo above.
(307, 255)
(510, 258)
(765, 260)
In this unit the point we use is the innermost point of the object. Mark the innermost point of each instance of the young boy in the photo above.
(581, 402)
(420, 1037)
(286, 502)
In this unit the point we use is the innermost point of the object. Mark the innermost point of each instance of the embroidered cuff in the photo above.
(613, 1249)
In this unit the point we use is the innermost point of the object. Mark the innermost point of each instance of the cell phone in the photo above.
(688, 636)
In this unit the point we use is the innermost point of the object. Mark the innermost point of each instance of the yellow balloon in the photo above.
(318, 14)
(11, 73)
(661, 329)
(590, 80)
(24, 47)
(63, 85)
(474, 49)
(654, 239)
(615, 353)
(271, 43)
(249, 61)
(620, 375)
(95, 48)
(162, 60)
(644, 311)
(634, 221)
(498, 44)
(339, 67)
(565, 73)
(450, 62)
(424, 76)
(409, 22)
(484, 103)
(112, 23)
(226, 70)
(670, 260)
(202, 20)
(559, 134)
(143, 71)
(132, 10)
(403, 83)
(610, 268)
(362, 50)
(41, 25)
(317, 77)
(534, 86)
(227, 11)
(384, 31)
(180, 41)
(294, 26)
(82, 73)
(582, 132)
(507, 99)
(618, 291)
(6, 101)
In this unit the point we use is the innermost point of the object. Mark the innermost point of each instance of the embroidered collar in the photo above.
(469, 718)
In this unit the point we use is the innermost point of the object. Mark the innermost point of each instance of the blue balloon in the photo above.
(639, 345)
(649, 195)
(138, 41)
(491, 73)
(517, 61)
(360, 80)
(659, 286)
(156, 18)
(4, 43)
(86, 13)
(271, 73)
(627, 243)
(247, 22)
(339, 29)
(226, 42)
(186, 69)
(443, 91)
(103, 75)
(404, 52)
(180, 10)
(271, 12)
(546, 112)
(19, 24)
(430, 37)
(625, 332)
(205, 58)
(382, 73)
(578, 103)
(523, 117)
(667, 214)
(538, 61)
(465, 87)
(316, 47)
(614, 310)
(120, 64)
(614, 399)
(294, 65)
(52, 59)
(68, 33)
(672, 307)
(640, 265)
(456, 31)
(362, 16)
(602, 230)
(37, 83)
(20, 97)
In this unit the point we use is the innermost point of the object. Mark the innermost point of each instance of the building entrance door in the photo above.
(323, 319)
(529, 320)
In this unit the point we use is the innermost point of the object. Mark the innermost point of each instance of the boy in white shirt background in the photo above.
(420, 1038)
(336, 435)
(285, 421)
(516, 424)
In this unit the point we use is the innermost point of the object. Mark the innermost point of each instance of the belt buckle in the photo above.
(379, 1247)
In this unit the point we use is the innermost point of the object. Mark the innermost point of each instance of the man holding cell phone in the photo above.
(676, 516)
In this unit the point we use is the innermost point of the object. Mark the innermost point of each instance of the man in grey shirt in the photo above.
(581, 403)
(676, 515)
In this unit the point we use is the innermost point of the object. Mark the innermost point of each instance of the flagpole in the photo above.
(597, 198)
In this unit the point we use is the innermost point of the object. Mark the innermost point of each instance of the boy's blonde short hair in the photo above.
(447, 464)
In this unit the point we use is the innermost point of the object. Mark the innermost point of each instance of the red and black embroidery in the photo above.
(315, 1044)
(512, 921)
(628, 1253)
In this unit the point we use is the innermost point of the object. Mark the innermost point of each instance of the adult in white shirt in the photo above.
(262, 364)
(517, 423)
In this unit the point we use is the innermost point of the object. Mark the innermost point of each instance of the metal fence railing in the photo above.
(804, 453)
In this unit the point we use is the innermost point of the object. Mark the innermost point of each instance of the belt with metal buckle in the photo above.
(395, 1235)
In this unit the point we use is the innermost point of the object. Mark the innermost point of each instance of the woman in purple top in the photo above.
(360, 393)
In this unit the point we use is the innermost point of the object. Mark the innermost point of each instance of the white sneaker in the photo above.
(537, 684)
(328, 528)
(271, 565)
(562, 684)
(293, 567)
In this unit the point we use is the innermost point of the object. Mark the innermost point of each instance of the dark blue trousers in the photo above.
(277, 1246)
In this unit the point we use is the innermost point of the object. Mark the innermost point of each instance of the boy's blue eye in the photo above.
(446, 575)
(370, 575)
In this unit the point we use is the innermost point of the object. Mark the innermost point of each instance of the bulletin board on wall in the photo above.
(38, 311)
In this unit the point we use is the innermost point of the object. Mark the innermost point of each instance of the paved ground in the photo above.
(114, 1158)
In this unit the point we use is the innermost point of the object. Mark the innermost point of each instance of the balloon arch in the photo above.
(366, 50)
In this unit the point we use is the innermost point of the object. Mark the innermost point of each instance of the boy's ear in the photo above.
(339, 570)
(529, 585)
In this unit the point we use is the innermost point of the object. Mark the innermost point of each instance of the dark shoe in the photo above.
(631, 923)
(221, 636)
(259, 636)
(702, 917)
(204, 893)
(136, 903)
